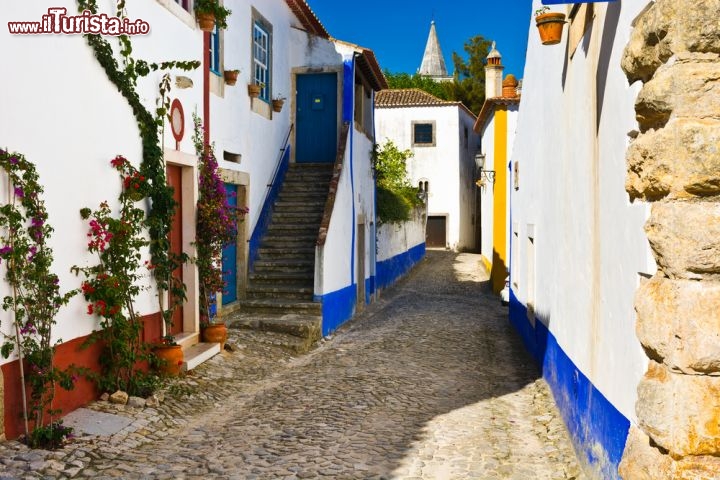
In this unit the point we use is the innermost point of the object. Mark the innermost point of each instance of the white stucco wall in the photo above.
(62, 112)
(447, 166)
(590, 248)
(396, 238)
(487, 202)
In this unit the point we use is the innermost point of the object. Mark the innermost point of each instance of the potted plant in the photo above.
(550, 25)
(254, 89)
(277, 103)
(212, 329)
(210, 13)
(231, 76)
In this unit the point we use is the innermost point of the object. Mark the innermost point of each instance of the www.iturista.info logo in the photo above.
(57, 21)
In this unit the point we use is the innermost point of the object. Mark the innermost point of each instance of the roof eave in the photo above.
(307, 17)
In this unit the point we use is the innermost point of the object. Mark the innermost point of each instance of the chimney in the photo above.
(510, 87)
(493, 74)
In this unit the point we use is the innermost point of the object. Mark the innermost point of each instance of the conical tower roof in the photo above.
(433, 62)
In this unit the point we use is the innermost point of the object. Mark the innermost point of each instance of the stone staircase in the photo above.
(280, 287)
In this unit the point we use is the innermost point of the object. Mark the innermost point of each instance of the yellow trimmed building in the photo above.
(496, 126)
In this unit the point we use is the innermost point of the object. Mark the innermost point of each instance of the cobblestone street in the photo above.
(429, 382)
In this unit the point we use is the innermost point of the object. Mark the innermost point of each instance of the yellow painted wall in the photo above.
(500, 197)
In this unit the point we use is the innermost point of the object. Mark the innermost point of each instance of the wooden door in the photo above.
(229, 254)
(174, 179)
(436, 232)
(316, 118)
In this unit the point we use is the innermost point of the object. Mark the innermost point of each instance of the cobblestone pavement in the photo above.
(430, 382)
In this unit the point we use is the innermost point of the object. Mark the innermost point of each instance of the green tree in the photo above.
(469, 85)
(442, 90)
(395, 196)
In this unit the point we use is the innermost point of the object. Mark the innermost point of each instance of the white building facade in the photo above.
(72, 126)
(440, 135)
(577, 247)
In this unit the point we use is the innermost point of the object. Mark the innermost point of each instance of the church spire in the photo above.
(433, 62)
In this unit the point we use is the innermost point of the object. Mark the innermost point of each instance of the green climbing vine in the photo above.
(125, 77)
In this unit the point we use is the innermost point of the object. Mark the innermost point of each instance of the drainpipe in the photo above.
(206, 87)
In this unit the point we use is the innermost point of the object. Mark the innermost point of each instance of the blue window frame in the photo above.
(261, 60)
(215, 51)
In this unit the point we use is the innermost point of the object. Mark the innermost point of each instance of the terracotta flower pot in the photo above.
(254, 90)
(170, 358)
(206, 21)
(277, 105)
(550, 27)
(231, 76)
(215, 333)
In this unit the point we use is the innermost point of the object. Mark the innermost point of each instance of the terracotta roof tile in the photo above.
(307, 17)
(413, 97)
(408, 97)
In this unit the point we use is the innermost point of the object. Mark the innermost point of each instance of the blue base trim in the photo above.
(265, 217)
(337, 308)
(391, 270)
(369, 289)
(598, 430)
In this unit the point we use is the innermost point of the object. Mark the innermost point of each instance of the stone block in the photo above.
(681, 160)
(670, 27)
(681, 413)
(685, 237)
(687, 87)
(678, 323)
(119, 398)
(644, 461)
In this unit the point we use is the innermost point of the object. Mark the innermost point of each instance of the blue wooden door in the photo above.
(316, 135)
(229, 255)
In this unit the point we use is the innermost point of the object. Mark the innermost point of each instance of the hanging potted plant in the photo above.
(231, 76)
(210, 13)
(550, 25)
(277, 103)
(254, 89)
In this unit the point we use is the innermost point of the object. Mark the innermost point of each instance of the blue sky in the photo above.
(397, 30)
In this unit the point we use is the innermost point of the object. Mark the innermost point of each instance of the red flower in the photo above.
(90, 309)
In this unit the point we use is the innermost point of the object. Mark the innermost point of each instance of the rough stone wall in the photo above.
(675, 164)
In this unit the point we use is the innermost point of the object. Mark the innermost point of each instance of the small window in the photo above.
(215, 51)
(185, 4)
(424, 134)
(261, 59)
(466, 137)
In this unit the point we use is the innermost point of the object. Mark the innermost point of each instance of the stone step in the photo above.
(300, 287)
(285, 241)
(311, 166)
(265, 278)
(298, 333)
(288, 206)
(298, 216)
(286, 252)
(285, 266)
(296, 296)
(306, 185)
(196, 354)
(281, 306)
(302, 197)
(292, 229)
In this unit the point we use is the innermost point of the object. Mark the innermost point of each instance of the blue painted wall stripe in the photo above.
(597, 429)
(266, 213)
(337, 308)
(391, 270)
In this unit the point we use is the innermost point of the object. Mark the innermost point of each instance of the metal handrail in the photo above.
(284, 148)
